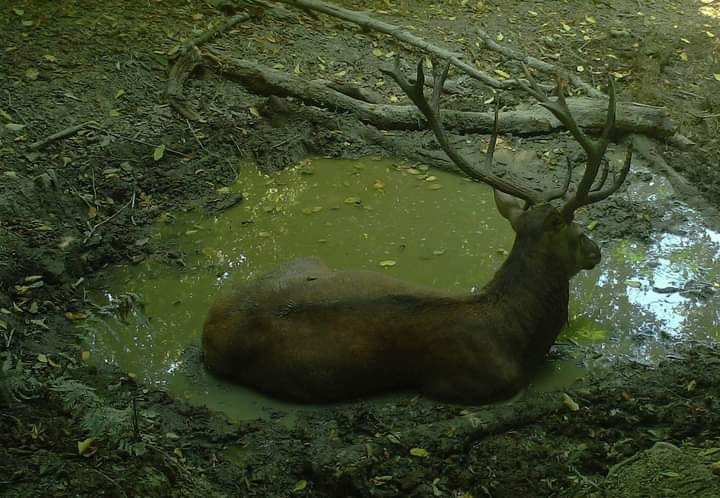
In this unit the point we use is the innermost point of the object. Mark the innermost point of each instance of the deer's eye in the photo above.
(554, 222)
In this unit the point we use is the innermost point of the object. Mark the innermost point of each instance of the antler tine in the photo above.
(617, 179)
(594, 149)
(560, 192)
(439, 78)
(603, 176)
(431, 111)
(493, 138)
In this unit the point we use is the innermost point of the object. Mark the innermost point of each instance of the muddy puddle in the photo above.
(422, 225)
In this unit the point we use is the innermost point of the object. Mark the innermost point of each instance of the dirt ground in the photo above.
(84, 202)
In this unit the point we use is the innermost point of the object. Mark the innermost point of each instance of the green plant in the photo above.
(16, 381)
(116, 425)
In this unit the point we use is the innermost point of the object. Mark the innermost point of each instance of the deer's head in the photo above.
(546, 235)
(542, 229)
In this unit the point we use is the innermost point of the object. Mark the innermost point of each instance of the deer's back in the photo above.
(304, 330)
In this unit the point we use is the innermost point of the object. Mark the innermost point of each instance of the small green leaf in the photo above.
(159, 152)
(419, 452)
(300, 485)
(570, 403)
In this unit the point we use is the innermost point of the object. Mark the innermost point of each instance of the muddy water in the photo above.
(429, 227)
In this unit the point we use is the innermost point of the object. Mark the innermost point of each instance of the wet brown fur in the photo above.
(308, 333)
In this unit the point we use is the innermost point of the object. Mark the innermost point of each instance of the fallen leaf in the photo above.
(85, 446)
(419, 452)
(570, 403)
(159, 152)
(75, 315)
(502, 73)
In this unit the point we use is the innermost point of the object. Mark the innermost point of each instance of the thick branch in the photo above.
(589, 113)
(534, 63)
(369, 23)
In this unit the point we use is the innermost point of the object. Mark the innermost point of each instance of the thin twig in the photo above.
(115, 483)
(71, 130)
(98, 225)
(192, 130)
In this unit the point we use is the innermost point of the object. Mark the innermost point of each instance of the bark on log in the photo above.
(588, 112)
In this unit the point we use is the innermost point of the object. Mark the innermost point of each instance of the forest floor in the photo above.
(72, 208)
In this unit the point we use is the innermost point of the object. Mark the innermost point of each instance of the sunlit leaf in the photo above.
(419, 452)
(32, 73)
(388, 262)
(300, 485)
(75, 315)
(570, 403)
(159, 152)
(584, 328)
(86, 446)
(502, 73)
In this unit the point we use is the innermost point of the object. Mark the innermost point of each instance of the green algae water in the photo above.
(425, 226)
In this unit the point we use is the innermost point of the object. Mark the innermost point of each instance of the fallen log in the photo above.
(589, 112)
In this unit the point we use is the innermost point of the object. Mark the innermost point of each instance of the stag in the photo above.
(308, 333)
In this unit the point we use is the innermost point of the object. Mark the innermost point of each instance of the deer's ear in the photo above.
(509, 206)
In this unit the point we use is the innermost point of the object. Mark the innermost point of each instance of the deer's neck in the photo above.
(535, 289)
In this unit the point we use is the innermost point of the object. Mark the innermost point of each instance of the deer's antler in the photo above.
(431, 111)
(594, 149)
